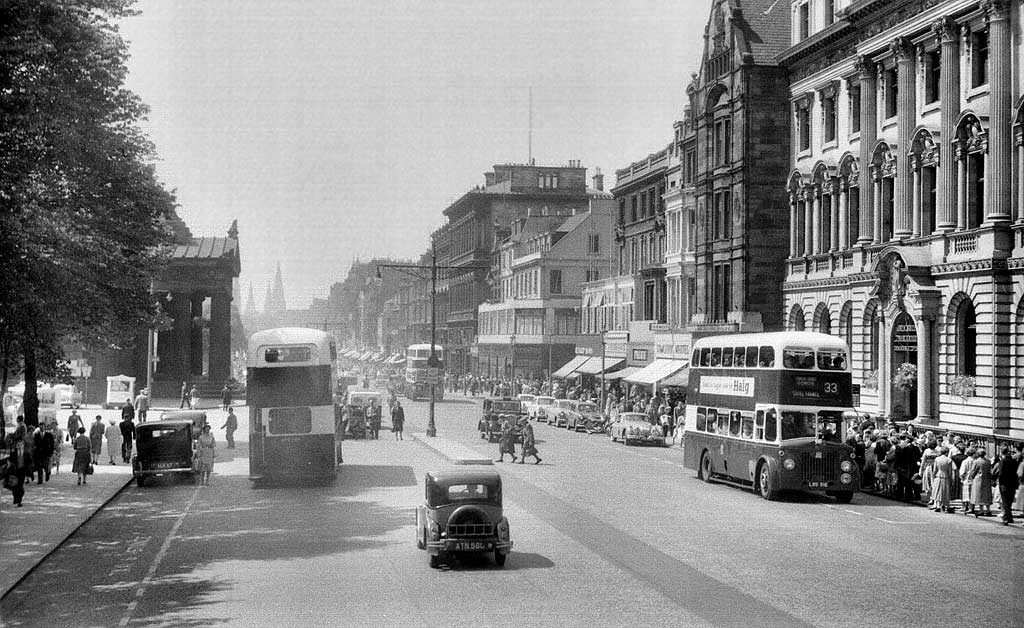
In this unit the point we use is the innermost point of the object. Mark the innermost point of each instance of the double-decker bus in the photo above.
(767, 411)
(417, 372)
(290, 393)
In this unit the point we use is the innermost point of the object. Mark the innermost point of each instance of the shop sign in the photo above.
(905, 338)
(615, 349)
(639, 355)
(584, 350)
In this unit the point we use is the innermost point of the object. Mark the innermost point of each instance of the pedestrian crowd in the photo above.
(939, 469)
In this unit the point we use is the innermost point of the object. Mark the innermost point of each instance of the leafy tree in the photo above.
(83, 219)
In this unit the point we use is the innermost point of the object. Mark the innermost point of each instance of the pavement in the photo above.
(55, 510)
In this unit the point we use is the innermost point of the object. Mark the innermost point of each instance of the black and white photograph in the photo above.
(681, 314)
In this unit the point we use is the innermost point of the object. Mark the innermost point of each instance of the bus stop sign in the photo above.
(433, 375)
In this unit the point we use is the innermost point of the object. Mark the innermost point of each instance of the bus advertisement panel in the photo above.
(292, 415)
(774, 425)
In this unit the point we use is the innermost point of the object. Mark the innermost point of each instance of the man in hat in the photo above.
(1007, 480)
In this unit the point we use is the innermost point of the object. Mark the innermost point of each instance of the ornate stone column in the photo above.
(876, 218)
(949, 109)
(833, 216)
(866, 72)
(884, 357)
(793, 226)
(816, 221)
(808, 194)
(1020, 176)
(960, 152)
(925, 378)
(915, 165)
(196, 335)
(844, 215)
(906, 116)
(998, 174)
(220, 337)
(180, 355)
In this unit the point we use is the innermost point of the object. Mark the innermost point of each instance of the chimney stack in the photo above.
(598, 180)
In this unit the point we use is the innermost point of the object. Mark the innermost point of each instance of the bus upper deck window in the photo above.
(739, 359)
(832, 360)
(695, 359)
(716, 356)
(766, 357)
(705, 356)
(751, 357)
(727, 356)
(797, 358)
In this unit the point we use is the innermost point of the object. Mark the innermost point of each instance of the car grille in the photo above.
(818, 469)
(470, 529)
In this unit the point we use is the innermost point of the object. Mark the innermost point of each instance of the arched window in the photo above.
(846, 324)
(796, 318)
(871, 322)
(971, 147)
(822, 319)
(966, 339)
(883, 172)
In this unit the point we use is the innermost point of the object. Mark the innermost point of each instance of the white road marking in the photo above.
(156, 561)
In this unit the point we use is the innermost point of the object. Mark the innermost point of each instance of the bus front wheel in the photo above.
(765, 485)
(705, 470)
(844, 497)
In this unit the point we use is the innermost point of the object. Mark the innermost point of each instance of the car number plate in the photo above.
(817, 484)
(472, 546)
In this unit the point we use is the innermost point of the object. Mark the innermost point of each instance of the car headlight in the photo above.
(846, 466)
(789, 464)
(503, 530)
(433, 530)
(846, 478)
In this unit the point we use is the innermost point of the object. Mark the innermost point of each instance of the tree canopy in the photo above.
(83, 218)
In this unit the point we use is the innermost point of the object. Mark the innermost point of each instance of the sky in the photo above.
(335, 130)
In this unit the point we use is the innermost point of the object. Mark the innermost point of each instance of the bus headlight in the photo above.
(846, 466)
(789, 464)
(846, 478)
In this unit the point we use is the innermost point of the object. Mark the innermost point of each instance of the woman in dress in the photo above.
(206, 451)
(96, 433)
(943, 472)
(507, 443)
(980, 477)
(113, 434)
(83, 455)
(965, 485)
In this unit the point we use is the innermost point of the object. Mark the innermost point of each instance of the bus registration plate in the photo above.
(472, 546)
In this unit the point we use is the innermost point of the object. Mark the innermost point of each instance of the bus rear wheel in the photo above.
(705, 471)
(765, 485)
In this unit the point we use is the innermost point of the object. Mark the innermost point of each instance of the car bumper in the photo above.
(453, 545)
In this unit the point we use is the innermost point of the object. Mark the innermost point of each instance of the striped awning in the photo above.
(569, 367)
(593, 366)
(657, 371)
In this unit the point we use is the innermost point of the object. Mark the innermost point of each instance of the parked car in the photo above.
(495, 411)
(527, 399)
(462, 513)
(561, 410)
(585, 417)
(355, 411)
(163, 448)
(633, 427)
(539, 409)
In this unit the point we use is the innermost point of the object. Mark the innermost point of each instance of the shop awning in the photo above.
(622, 373)
(681, 379)
(593, 366)
(570, 366)
(657, 371)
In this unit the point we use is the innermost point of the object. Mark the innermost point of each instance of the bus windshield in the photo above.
(291, 386)
(826, 425)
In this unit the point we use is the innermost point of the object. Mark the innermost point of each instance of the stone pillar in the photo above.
(949, 109)
(808, 222)
(960, 153)
(816, 238)
(925, 379)
(1020, 178)
(876, 218)
(998, 174)
(868, 137)
(195, 366)
(884, 358)
(220, 338)
(906, 116)
(180, 353)
(793, 226)
(915, 165)
(844, 215)
(833, 217)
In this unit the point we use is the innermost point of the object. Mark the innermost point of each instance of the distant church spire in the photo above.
(250, 303)
(275, 296)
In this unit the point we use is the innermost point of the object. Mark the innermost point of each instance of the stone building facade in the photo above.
(906, 206)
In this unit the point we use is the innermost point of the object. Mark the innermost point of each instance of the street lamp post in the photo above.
(433, 362)
(512, 347)
(602, 371)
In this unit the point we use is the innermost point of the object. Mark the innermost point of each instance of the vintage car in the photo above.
(495, 411)
(196, 417)
(540, 408)
(633, 427)
(163, 448)
(561, 411)
(585, 417)
(68, 395)
(527, 400)
(462, 513)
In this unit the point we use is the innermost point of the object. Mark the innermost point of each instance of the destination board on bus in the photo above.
(816, 388)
